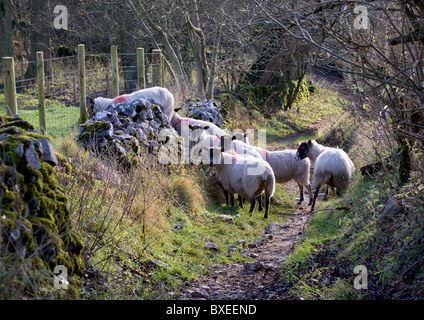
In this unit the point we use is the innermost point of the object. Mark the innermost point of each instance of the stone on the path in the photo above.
(223, 217)
(156, 263)
(267, 236)
(255, 244)
(211, 246)
(199, 294)
(270, 227)
(253, 266)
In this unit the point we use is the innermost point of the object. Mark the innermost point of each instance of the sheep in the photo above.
(332, 166)
(179, 123)
(157, 95)
(286, 168)
(236, 147)
(206, 140)
(247, 176)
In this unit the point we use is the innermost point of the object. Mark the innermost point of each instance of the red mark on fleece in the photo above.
(322, 150)
(183, 121)
(264, 152)
(119, 99)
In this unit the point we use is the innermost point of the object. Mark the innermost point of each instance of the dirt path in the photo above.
(261, 279)
(310, 130)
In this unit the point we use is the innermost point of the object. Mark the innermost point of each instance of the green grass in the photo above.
(61, 119)
(183, 250)
(323, 104)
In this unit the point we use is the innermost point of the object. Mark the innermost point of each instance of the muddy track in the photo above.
(261, 279)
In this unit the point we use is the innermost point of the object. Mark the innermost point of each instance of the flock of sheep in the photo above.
(247, 170)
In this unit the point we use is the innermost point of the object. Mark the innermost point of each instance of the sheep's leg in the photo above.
(232, 199)
(252, 205)
(241, 201)
(326, 193)
(311, 196)
(260, 202)
(301, 198)
(267, 203)
(338, 192)
(315, 198)
(227, 201)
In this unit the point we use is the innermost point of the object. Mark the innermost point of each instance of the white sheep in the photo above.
(332, 166)
(286, 168)
(157, 95)
(179, 123)
(204, 139)
(247, 176)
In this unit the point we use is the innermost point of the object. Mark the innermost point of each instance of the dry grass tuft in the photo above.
(188, 193)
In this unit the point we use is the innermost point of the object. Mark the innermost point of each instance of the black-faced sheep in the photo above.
(332, 166)
(286, 168)
(179, 123)
(157, 95)
(247, 176)
(230, 146)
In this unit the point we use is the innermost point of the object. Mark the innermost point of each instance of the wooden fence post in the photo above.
(40, 91)
(82, 88)
(10, 86)
(115, 70)
(141, 78)
(74, 84)
(157, 68)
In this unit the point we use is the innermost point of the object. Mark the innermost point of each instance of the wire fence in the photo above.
(62, 87)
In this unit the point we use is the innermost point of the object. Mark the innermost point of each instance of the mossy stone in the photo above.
(34, 218)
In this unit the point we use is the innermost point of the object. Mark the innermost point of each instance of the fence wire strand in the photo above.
(62, 87)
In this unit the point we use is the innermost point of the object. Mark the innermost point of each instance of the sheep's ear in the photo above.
(206, 128)
(233, 138)
(309, 142)
(178, 109)
(190, 126)
(245, 135)
(91, 100)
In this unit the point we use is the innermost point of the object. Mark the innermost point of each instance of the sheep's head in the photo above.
(241, 136)
(303, 150)
(197, 132)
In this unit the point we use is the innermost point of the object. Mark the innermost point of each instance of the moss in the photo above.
(17, 123)
(90, 129)
(33, 201)
(96, 126)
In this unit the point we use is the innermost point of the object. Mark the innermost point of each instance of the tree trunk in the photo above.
(6, 49)
(211, 81)
(198, 44)
(40, 36)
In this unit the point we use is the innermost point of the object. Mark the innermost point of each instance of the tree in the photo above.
(383, 56)
(6, 49)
